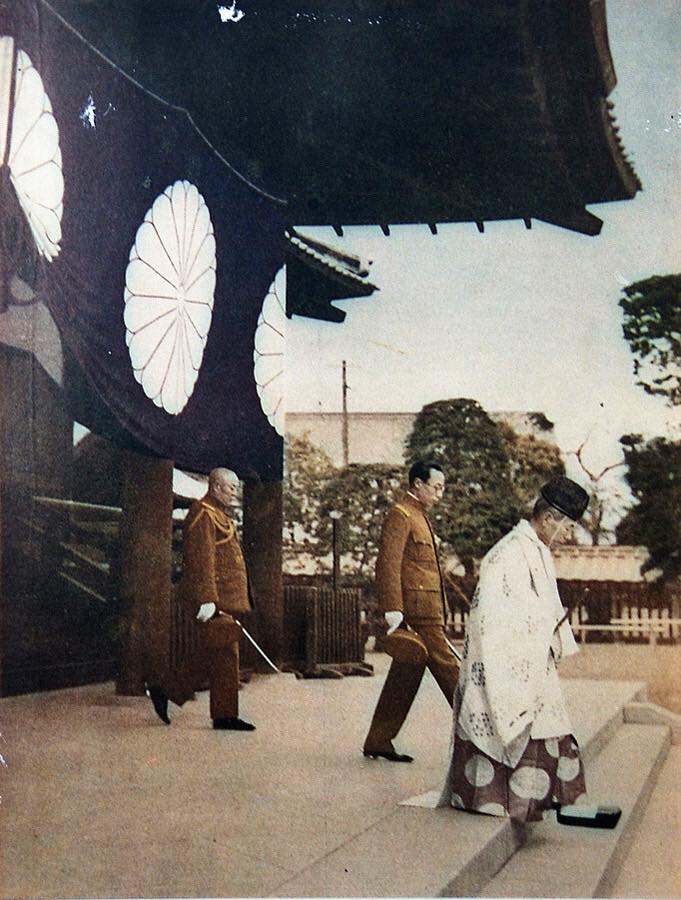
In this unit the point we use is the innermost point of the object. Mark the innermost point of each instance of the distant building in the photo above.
(602, 563)
(608, 597)
(373, 437)
(379, 437)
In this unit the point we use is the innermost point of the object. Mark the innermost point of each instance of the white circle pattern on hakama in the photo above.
(568, 768)
(479, 771)
(530, 783)
(523, 793)
(552, 749)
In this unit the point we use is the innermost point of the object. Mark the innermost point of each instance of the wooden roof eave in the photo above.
(317, 274)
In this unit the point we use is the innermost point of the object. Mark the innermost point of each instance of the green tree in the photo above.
(480, 503)
(654, 476)
(652, 327)
(532, 460)
(307, 469)
(362, 493)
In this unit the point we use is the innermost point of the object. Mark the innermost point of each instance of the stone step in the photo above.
(652, 867)
(638, 713)
(566, 861)
(417, 851)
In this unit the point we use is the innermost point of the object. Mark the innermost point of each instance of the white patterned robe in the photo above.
(509, 690)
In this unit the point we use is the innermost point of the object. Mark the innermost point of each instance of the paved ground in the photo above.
(99, 799)
(659, 666)
(104, 800)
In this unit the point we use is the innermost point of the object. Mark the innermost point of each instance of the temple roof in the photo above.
(377, 112)
(317, 274)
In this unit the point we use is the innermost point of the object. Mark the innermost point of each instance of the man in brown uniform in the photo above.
(214, 588)
(410, 592)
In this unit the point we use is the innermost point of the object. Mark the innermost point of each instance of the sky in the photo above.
(518, 319)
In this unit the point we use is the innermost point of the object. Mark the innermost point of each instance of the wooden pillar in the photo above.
(145, 570)
(262, 539)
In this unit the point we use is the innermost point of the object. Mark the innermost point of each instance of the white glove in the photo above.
(206, 611)
(394, 619)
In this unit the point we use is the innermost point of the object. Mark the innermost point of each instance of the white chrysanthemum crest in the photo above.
(269, 353)
(169, 294)
(33, 156)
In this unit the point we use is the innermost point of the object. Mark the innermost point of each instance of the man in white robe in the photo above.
(513, 751)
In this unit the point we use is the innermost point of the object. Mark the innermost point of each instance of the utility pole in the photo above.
(346, 450)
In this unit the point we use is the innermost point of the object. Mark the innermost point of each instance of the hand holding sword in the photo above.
(255, 643)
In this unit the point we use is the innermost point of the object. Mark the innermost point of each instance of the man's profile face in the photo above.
(429, 492)
(555, 529)
(226, 489)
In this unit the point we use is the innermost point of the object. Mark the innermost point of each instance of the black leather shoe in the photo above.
(390, 755)
(233, 723)
(160, 700)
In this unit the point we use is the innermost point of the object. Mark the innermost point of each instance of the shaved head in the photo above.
(220, 476)
(223, 485)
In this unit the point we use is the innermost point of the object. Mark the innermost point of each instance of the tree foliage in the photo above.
(307, 470)
(533, 461)
(480, 503)
(362, 493)
(652, 327)
(654, 476)
(493, 475)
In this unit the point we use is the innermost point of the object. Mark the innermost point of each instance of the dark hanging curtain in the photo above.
(114, 167)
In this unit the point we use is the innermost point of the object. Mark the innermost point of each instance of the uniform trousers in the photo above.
(403, 682)
(216, 660)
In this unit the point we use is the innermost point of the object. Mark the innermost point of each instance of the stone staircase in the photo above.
(559, 861)
(417, 850)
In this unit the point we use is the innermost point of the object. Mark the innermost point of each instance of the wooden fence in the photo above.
(323, 629)
(599, 611)
(632, 612)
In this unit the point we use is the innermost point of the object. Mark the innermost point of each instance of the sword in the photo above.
(257, 647)
(453, 649)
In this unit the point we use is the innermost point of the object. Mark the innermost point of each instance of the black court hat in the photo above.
(566, 496)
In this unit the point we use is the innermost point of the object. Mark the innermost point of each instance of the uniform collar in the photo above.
(414, 501)
(210, 501)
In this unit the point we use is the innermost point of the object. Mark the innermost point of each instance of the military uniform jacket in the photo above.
(408, 575)
(214, 569)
